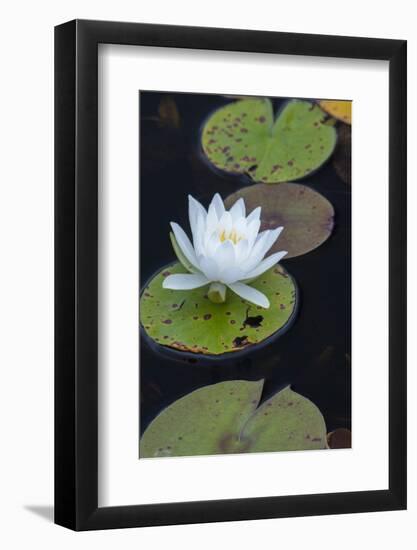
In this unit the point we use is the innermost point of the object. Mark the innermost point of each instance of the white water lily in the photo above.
(227, 251)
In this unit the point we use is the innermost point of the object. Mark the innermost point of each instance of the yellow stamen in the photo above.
(232, 236)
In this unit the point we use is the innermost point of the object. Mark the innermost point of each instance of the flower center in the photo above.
(230, 235)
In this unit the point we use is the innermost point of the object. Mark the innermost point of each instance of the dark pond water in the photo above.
(314, 354)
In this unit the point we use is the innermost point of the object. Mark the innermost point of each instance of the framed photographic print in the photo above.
(230, 275)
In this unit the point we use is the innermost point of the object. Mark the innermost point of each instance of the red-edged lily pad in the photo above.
(307, 216)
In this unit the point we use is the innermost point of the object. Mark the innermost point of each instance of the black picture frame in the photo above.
(76, 271)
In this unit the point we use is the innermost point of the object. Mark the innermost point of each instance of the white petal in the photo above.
(240, 226)
(209, 267)
(241, 251)
(211, 245)
(231, 275)
(273, 236)
(266, 264)
(218, 205)
(250, 294)
(254, 215)
(252, 231)
(200, 244)
(195, 209)
(184, 243)
(184, 281)
(258, 251)
(212, 220)
(263, 243)
(225, 255)
(238, 210)
(226, 222)
(179, 254)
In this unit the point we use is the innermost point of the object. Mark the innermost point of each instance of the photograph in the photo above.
(245, 274)
(212, 340)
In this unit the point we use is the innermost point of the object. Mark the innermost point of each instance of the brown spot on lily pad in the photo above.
(253, 321)
(241, 341)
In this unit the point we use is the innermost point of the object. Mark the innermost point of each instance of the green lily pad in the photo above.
(307, 216)
(243, 138)
(225, 418)
(187, 320)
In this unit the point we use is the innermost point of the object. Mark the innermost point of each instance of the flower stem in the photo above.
(217, 293)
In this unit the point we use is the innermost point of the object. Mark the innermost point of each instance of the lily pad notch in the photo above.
(243, 138)
(187, 321)
(227, 418)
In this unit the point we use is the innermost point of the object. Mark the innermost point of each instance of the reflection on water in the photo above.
(314, 355)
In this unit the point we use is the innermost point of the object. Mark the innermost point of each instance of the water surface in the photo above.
(314, 354)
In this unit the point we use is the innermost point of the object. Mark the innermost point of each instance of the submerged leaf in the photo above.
(342, 110)
(243, 138)
(225, 418)
(340, 439)
(168, 113)
(307, 216)
(187, 320)
(342, 160)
